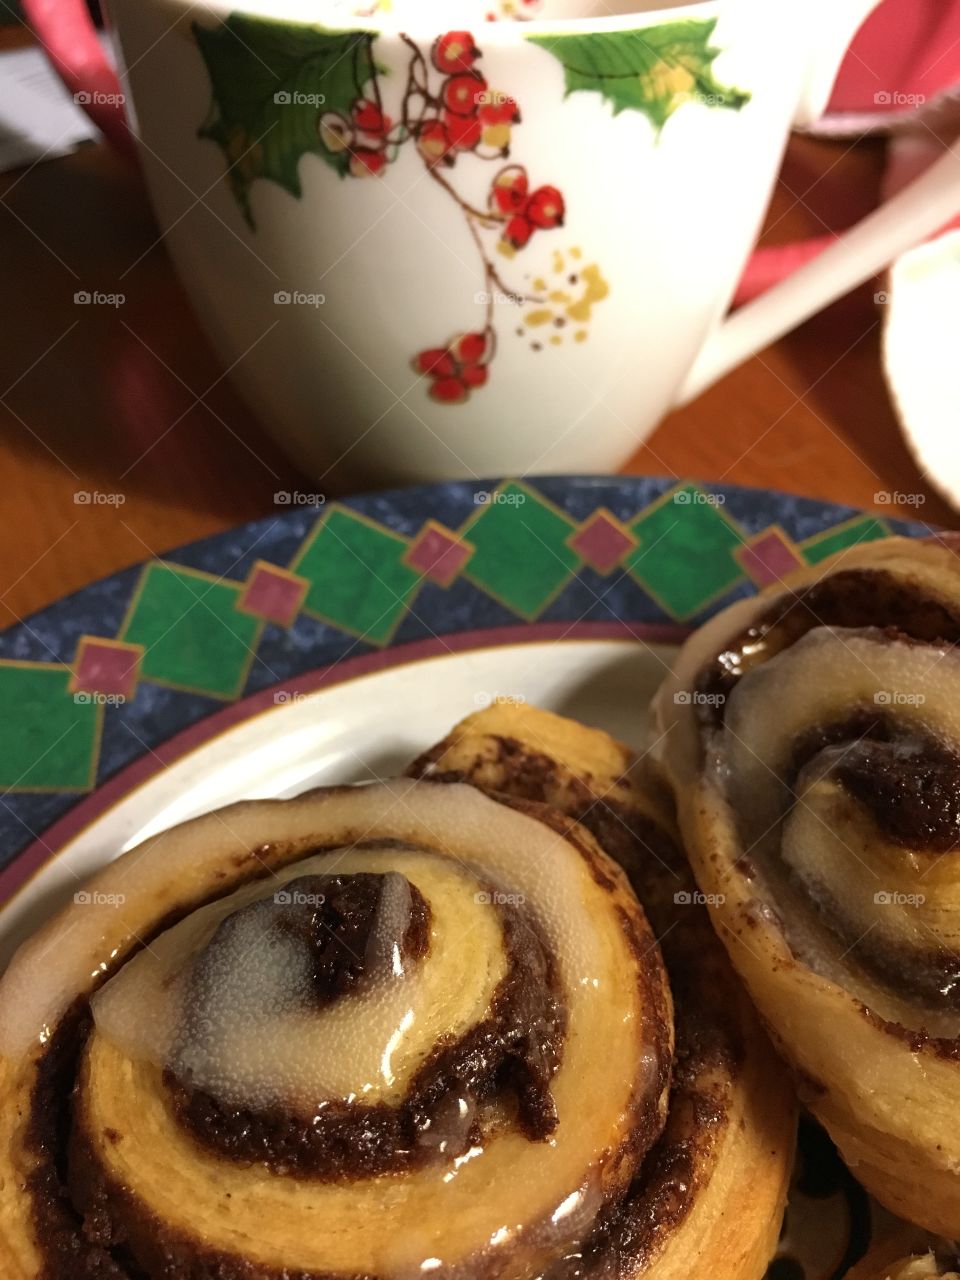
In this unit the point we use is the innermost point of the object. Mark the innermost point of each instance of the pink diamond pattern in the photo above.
(768, 557)
(438, 553)
(106, 666)
(273, 594)
(601, 541)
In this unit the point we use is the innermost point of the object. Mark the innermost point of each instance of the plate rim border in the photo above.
(47, 847)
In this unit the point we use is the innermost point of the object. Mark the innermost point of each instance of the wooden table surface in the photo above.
(92, 397)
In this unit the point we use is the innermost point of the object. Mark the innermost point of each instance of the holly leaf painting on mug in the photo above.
(271, 82)
(654, 70)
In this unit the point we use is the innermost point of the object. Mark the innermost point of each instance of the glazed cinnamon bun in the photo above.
(420, 1027)
(708, 1199)
(812, 740)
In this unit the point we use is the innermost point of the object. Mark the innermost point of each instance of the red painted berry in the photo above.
(365, 163)
(368, 116)
(474, 375)
(545, 208)
(468, 348)
(436, 361)
(449, 390)
(464, 132)
(456, 369)
(508, 191)
(464, 94)
(454, 52)
(433, 142)
(498, 108)
(518, 231)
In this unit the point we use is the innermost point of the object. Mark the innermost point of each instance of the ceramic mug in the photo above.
(429, 241)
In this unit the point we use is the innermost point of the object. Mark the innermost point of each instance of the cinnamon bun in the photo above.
(812, 740)
(418, 1027)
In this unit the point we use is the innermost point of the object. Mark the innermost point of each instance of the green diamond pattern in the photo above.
(196, 638)
(48, 738)
(868, 529)
(685, 557)
(192, 633)
(521, 555)
(357, 577)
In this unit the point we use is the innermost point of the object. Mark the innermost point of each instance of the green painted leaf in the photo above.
(654, 70)
(266, 78)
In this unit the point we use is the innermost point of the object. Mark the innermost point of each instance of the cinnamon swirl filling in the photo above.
(411, 1028)
(400, 1030)
(812, 740)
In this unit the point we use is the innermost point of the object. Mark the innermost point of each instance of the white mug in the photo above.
(431, 246)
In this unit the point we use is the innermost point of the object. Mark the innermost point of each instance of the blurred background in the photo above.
(128, 399)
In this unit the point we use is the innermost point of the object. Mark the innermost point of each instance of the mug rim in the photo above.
(494, 33)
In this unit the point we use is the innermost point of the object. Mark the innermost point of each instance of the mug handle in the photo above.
(70, 41)
(907, 219)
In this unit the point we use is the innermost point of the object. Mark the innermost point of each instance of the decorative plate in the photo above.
(333, 641)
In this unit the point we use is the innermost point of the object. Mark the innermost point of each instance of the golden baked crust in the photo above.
(710, 1199)
(906, 1254)
(810, 737)
(658, 1185)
